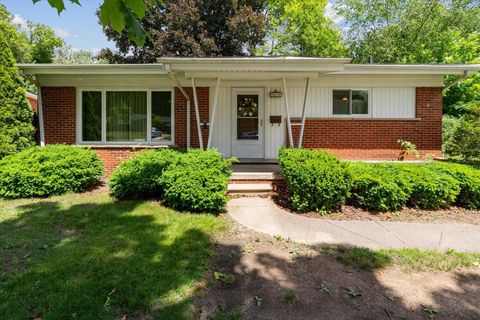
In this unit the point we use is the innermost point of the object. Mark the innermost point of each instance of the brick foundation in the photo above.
(370, 139)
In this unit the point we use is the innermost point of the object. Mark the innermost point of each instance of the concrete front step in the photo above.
(256, 176)
(249, 188)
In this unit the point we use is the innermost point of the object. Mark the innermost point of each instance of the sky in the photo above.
(78, 26)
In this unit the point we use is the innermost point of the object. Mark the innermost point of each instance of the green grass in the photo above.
(412, 260)
(83, 256)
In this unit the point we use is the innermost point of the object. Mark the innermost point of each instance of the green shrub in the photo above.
(464, 136)
(316, 180)
(140, 176)
(469, 180)
(197, 182)
(16, 115)
(51, 170)
(430, 189)
(375, 188)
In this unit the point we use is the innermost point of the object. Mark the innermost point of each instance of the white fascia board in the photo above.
(441, 69)
(34, 69)
(251, 75)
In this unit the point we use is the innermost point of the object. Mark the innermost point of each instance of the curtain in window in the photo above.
(91, 116)
(126, 116)
(161, 116)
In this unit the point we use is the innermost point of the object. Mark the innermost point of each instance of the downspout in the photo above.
(187, 98)
(39, 106)
(451, 84)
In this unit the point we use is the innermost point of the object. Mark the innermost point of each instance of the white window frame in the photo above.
(352, 115)
(104, 141)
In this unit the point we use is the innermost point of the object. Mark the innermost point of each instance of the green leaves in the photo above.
(119, 14)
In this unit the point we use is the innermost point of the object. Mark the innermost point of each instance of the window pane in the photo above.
(91, 116)
(341, 101)
(247, 117)
(359, 102)
(126, 116)
(161, 116)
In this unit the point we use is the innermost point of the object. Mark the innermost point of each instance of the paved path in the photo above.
(264, 216)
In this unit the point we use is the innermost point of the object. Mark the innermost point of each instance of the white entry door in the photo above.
(247, 123)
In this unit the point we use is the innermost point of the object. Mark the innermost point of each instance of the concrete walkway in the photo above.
(264, 216)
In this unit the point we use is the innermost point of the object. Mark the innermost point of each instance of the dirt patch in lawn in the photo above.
(450, 215)
(262, 277)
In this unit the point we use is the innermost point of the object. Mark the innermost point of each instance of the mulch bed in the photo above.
(347, 212)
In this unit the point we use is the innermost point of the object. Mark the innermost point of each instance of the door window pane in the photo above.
(126, 116)
(359, 102)
(341, 101)
(91, 116)
(161, 116)
(247, 117)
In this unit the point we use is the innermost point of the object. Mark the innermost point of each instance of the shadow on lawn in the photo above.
(270, 284)
(93, 261)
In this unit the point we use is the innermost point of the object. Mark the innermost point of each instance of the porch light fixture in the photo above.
(276, 94)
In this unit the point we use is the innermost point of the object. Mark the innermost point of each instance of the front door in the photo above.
(247, 133)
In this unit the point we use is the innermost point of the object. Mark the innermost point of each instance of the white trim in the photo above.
(104, 141)
(289, 119)
(351, 115)
(197, 114)
(41, 127)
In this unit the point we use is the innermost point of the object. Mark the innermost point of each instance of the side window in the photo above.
(350, 102)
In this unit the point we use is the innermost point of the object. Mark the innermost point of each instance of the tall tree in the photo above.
(31, 42)
(417, 31)
(16, 115)
(300, 27)
(193, 28)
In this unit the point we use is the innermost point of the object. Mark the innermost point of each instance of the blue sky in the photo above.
(78, 26)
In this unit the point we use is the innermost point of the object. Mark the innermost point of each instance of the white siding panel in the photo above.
(274, 134)
(221, 137)
(396, 103)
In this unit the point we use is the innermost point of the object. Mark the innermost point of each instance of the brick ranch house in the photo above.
(244, 107)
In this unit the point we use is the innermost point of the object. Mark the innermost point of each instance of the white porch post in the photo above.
(197, 114)
(214, 113)
(300, 138)
(40, 116)
(187, 98)
(289, 124)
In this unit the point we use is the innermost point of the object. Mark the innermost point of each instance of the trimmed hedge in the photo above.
(140, 176)
(316, 179)
(375, 188)
(198, 182)
(50, 170)
(430, 189)
(193, 181)
(469, 180)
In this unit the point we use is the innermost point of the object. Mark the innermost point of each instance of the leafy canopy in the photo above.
(193, 28)
(29, 43)
(118, 14)
(300, 27)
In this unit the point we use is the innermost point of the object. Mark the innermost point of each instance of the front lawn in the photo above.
(87, 256)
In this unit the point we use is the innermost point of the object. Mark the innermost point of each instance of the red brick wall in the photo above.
(112, 156)
(369, 139)
(181, 117)
(59, 115)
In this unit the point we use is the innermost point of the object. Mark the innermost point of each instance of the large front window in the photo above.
(126, 116)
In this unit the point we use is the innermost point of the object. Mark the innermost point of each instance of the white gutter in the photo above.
(187, 97)
(40, 116)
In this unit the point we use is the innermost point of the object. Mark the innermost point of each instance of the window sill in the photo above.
(124, 145)
(298, 120)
